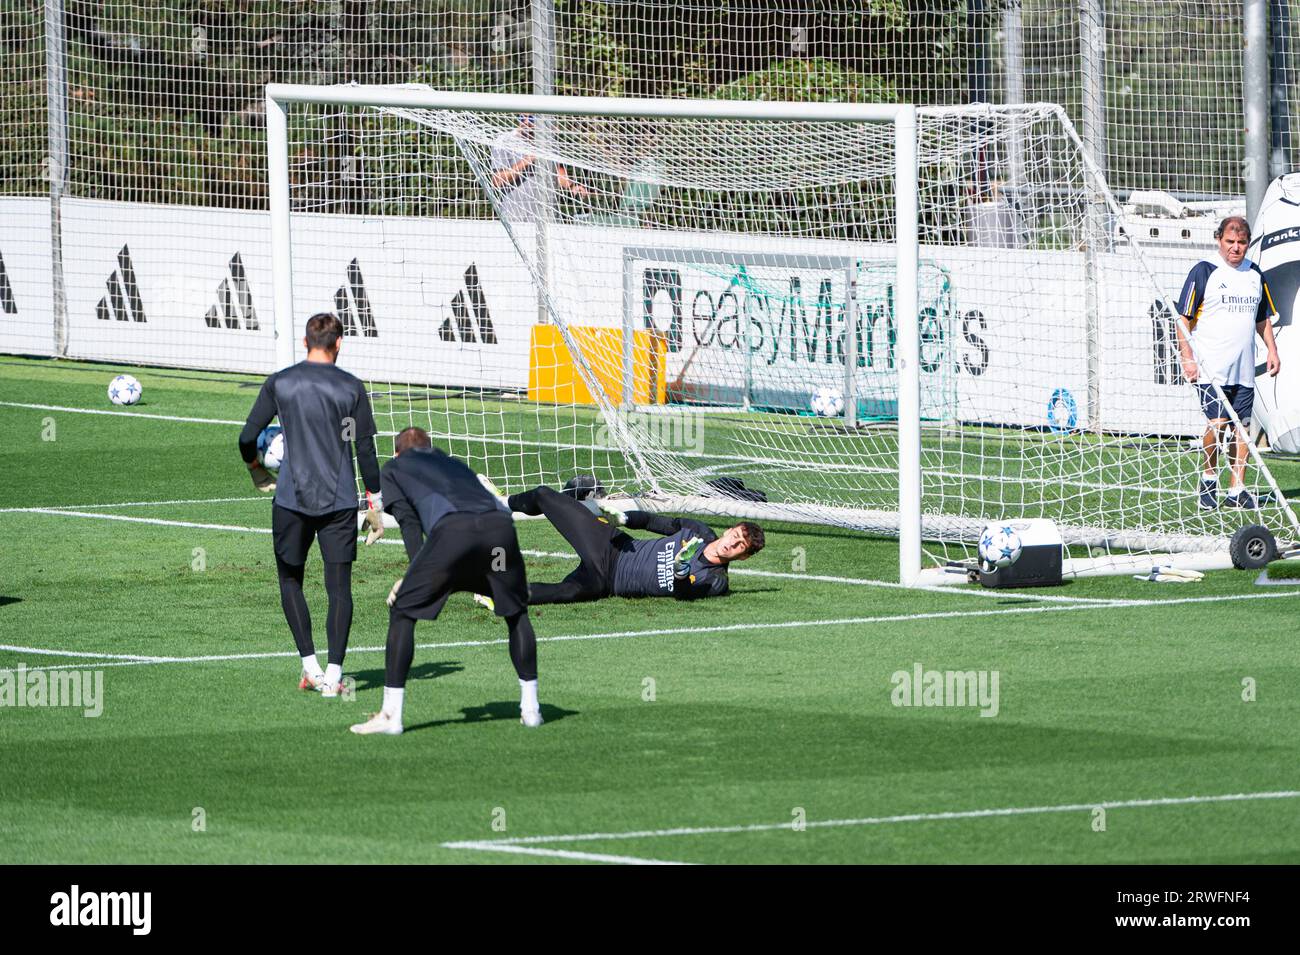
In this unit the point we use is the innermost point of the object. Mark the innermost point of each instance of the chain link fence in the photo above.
(163, 97)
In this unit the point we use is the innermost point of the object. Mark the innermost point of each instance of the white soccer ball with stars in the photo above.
(827, 403)
(124, 390)
(1000, 545)
(270, 447)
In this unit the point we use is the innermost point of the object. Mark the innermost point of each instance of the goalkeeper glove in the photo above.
(262, 479)
(392, 594)
(374, 517)
(686, 555)
(611, 511)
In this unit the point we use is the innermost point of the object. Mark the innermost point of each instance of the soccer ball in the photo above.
(1000, 545)
(827, 403)
(124, 390)
(270, 447)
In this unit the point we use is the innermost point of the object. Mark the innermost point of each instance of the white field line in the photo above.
(119, 414)
(37, 651)
(90, 507)
(856, 581)
(139, 520)
(559, 853)
(895, 585)
(521, 441)
(468, 438)
(692, 631)
(517, 841)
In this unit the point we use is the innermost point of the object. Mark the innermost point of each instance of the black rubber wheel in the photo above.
(1252, 547)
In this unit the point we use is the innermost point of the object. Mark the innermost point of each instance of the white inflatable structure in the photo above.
(1275, 248)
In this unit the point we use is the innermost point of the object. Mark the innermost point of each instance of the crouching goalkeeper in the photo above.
(688, 562)
(471, 546)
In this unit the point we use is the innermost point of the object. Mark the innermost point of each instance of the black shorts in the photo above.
(470, 553)
(1241, 397)
(293, 532)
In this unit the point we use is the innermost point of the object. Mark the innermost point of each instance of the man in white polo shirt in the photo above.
(514, 174)
(1226, 302)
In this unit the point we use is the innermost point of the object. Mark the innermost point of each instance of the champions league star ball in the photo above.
(270, 447)
(827, 403)
(1000, 545)
(124, 390)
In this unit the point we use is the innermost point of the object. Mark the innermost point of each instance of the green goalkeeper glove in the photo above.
(686, 555)
(374, 517)
(611, 511)
(262, 478)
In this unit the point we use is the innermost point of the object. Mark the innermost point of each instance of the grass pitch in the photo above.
(759, 728)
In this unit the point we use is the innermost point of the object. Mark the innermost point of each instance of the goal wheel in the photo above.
(1252, 547)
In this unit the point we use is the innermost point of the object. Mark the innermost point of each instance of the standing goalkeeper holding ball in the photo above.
(323, 412)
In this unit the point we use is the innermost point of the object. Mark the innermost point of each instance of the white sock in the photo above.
(312, 666)
(1236, 489)
(393, 702)
(528, 695)
(1210, 476)
(333, 673)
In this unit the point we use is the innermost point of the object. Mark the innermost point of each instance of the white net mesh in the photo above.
(678, 291)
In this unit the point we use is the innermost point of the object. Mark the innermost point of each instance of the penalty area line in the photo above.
(43, 652)
(91, 507)
(1108, 804)
(704, 631)
(741, 571)
(558, 853)
(119, 414)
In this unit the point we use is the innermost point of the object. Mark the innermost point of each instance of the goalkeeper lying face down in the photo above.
(689, 561)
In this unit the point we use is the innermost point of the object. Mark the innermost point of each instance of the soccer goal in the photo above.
(905, 321)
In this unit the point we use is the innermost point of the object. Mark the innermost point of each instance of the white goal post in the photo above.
(900, 320)
(902, 117)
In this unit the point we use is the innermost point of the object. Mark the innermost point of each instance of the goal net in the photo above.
(702, 313)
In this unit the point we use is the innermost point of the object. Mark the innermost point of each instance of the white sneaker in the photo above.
(484, 601)
(308, 682)
(380, 723)
(328, 690)
(531, 717)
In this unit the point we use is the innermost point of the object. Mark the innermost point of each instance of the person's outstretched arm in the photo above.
(659, 524)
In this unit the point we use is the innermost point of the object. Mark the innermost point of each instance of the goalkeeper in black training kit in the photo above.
(688, 562)
(323, 411)
(471, 546)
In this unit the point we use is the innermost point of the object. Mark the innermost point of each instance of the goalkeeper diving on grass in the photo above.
(687, 562)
